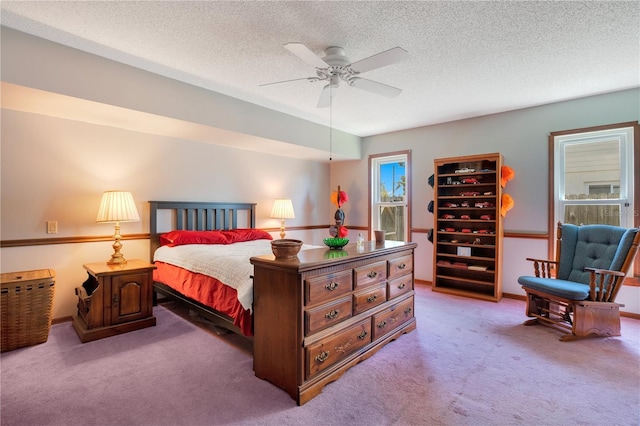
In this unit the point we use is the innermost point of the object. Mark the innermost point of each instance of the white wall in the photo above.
(522, 137)
(53, 169)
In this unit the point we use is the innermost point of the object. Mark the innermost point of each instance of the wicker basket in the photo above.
(26, 305)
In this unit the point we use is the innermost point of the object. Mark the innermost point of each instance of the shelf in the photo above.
(467, 293)
(467, 198)
(479, 258)
(474, 194)
(490, 173)
(468, 220)
(466, 280)
(458, 244)
(470, 234)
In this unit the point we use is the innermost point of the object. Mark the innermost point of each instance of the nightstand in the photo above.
(114, 299)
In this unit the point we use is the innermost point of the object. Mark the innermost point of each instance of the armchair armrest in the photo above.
(602, 283)
(542, 267)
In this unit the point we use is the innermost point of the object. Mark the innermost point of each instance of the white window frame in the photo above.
(587, 190)
(375, 161)
(624, 136)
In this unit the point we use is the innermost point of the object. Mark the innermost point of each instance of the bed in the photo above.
(209, 297)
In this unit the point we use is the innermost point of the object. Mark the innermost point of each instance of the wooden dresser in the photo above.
(320, 314)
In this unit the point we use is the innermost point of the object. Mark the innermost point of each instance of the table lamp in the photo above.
(117, 206)
(282, 209)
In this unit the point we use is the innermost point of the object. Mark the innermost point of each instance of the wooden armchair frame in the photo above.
(596, 315)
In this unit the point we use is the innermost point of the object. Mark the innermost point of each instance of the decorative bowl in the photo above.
(336, 243)
(285, 248)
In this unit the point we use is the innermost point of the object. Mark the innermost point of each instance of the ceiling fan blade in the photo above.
(311, 79)
(375, 87)
(380, 60)
(304, 53)
(325, 97)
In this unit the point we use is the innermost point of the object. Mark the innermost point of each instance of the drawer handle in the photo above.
(372, 274)
(332, 314)
(408, 310)
(372, 298)
(322, 356)
(362, 335)
(331, 286)
(402, 266)
(383, 324)
(401, 286)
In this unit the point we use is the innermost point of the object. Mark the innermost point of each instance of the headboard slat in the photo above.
(179, 218)
(234, 219)
(200, 215)
(209, 219)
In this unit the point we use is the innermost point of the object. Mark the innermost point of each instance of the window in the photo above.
(389, 189)
(602, 188)
(592, 177)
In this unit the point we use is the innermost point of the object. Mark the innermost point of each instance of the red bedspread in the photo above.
(206, 290)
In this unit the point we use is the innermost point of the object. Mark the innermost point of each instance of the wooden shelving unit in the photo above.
(467, 230)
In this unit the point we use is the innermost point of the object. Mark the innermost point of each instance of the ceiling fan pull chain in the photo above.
(330, 123)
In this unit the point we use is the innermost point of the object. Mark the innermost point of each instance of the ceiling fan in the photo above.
(336, 66)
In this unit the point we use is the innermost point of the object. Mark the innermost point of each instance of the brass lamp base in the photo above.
(117, 258)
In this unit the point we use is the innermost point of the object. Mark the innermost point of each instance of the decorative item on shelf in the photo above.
(116, 207)
(285, 249)
(336, 243)
(282, 209)
(338, 198)
(506, 174)
(464, 251)
(506, 204)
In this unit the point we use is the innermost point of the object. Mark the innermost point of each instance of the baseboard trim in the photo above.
(61, 320)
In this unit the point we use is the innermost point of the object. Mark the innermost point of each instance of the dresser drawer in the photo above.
(400, 266)
(370, 274)
(333, 349)
(327, 315)
(400, 286)
(368, 298)
(326, 287)
(391, 318)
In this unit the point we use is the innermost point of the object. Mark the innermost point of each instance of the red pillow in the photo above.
(178, 238)
(250, 234)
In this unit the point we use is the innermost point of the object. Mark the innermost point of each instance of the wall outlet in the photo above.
(52, 227)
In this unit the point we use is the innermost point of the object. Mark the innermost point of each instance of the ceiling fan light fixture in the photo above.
(336, 66)
(335, 57)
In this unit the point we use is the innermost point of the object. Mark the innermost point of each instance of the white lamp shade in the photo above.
(283, 209)
(117, 206)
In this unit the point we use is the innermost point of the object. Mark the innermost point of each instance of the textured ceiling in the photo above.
(466, 58)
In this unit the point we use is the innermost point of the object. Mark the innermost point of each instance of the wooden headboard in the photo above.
(197, 216)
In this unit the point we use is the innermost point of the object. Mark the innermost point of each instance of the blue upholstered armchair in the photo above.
(592, 263)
